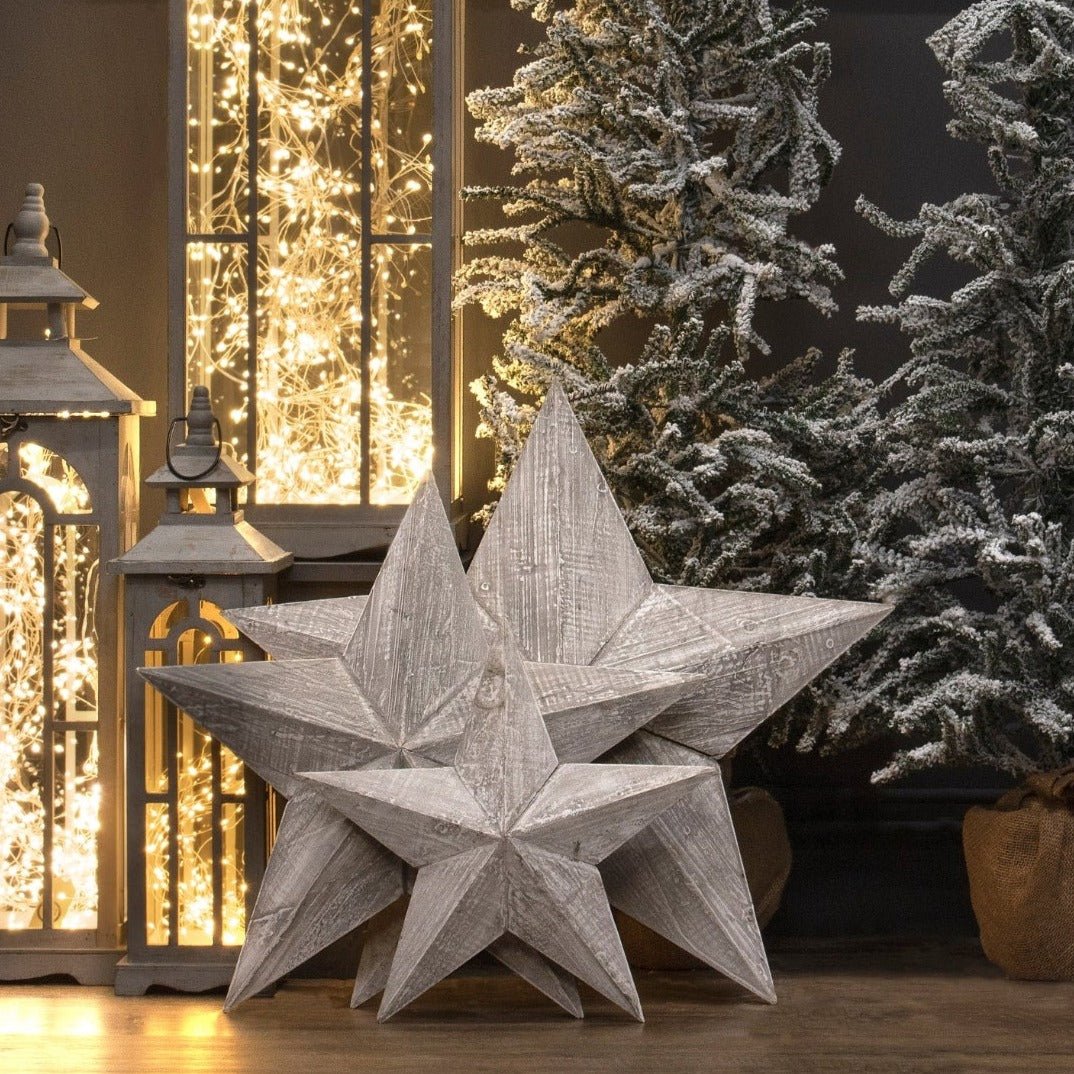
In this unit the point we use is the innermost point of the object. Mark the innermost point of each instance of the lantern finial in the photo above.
(199, 418)
(31, 224)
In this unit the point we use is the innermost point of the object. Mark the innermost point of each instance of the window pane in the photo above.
(400, 372)
(401, 141)
(217, 347)
(218, 82)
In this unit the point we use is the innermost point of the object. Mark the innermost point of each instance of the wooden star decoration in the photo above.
(395, 692)
(506, 842)
(558, 563)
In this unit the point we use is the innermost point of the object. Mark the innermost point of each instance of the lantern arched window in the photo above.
(314, 237)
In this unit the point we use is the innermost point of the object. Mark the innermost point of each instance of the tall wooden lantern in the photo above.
(196, 818)
(314, 230)
(68, 502)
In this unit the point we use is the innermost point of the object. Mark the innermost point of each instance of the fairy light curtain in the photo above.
(308, 288)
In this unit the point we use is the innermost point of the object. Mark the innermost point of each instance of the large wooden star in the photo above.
(558, 563)
(394, 692)
(506, 842)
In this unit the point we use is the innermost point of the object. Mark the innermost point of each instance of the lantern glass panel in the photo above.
(156, 730)
(402, 119)
(157, 873)
(194, 830)
(49, 780)
(75, 560)
(233, 871)
(76, 820)
(342, 145)
(195, 815)
(56, 477)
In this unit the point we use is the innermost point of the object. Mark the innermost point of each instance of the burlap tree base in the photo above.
(1020, 857)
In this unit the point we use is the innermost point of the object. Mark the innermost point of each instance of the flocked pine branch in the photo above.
(973, 535)
(663, 150)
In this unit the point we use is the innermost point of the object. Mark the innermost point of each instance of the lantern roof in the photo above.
(51, 375)
(55, 376)
(29, 273)
(200, 461)
(194, 545)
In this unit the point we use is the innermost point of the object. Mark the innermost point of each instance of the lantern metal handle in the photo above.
(53, 229)
(219, 446)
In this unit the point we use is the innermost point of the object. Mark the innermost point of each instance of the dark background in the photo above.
(84, 111)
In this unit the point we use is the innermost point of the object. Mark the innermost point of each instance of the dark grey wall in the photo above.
(83, 92)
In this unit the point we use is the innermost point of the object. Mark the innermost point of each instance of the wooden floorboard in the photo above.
(901, 1010)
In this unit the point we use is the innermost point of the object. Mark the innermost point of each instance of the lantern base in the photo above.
(136, 978)
(88, 966)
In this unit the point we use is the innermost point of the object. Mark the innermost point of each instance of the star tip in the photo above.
(362, 994)
(387, 1009)
(555, 391)
(235, 996)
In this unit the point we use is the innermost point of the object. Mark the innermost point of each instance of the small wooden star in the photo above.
(506, 842)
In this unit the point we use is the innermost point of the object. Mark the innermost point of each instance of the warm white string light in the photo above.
(307, 389)
(25, 599)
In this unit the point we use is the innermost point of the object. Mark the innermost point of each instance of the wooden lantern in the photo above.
(312, 253)
(68, 502)
(196, 818)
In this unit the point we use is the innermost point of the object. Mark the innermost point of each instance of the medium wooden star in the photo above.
(558, 563)
(395, 693)
(506, 842)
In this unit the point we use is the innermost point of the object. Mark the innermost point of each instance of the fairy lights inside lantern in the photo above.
(308, 293)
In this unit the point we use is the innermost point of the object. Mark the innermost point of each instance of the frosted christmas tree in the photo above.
(663, 149)
(973, 538)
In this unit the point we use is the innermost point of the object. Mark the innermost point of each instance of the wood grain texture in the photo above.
(751, 651)
(505, 842)
(690, 852)
(587, 709)
(301, 630)
(322, 881)
(872, 1012)
(559, 565)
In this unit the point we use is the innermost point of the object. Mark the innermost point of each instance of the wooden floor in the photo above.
(907, 1009)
